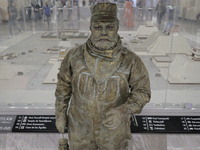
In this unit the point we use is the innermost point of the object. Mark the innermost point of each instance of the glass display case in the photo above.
(34, 42)
(35, 36)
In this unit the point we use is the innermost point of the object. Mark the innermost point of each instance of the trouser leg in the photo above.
(48, 17)
(36, 16)
(124, 145)
(83, 145)
(159, 19)
(48, 20)
(161, 16)
(10, 22)
(90, 145)
(16, 26)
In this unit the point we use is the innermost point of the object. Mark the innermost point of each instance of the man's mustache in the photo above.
(104, 39)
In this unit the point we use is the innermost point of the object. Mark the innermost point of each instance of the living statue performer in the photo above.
(103, 84)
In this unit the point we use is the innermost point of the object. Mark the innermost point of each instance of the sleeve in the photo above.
(163, 9)
(64, 89)
(16, 12)
(197, 17)
(8, 10)
(140, 92)
(156, 7)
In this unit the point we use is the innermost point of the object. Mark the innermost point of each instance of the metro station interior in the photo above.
(32, 50)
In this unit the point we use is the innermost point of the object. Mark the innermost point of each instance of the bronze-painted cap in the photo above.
(104, 12)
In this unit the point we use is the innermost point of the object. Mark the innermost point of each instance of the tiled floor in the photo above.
(36, 141)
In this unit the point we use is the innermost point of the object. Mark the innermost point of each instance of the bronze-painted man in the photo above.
(105, 84)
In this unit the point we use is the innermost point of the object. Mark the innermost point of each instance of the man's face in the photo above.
(104, 35)
(9, 3)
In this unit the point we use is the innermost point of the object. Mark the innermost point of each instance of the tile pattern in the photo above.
(35, 141)
(183, 141)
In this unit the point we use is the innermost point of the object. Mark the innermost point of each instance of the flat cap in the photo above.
(104, 12)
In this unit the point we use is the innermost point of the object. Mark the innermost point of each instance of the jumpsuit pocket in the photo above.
(86, 85)
(109, 91)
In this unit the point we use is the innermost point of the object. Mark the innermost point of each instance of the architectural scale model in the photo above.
(52, 51)
(67, 30)
(125, 43)
(136, 40)
(137, 46)
(149, 24)
(183, 69)
(51, 78)
(63, 52)
(52, 75)
(161, 61)
(195, 53)
(69, 35)
(128, 35)
(144, 32)
(173, 29)
(61, 45)
(65, 44)
(63, 37)
(163, 45)
(9, 56)
(91, 84)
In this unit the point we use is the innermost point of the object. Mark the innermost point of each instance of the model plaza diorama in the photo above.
(162, 33)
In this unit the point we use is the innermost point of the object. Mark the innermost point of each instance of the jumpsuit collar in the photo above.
(102, 64)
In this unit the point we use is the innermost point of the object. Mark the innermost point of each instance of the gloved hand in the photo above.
(61, 116)
(113, 119)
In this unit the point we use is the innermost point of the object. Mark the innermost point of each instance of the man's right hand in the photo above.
(60, 125)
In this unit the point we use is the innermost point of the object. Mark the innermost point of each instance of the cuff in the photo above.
(60, 116)
(128, 111)
(60, 111)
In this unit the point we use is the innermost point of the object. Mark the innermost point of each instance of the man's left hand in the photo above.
(113, 119)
